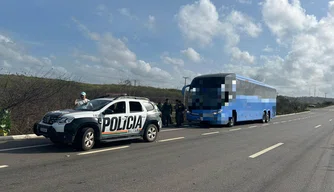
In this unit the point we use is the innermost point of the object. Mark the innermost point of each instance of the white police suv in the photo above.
(102, 120)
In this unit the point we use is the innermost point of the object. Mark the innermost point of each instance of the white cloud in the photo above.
(53, 57)
(6, 64)
(4, 39)
(115, 56)
(85, 30)
(151, 22)
(284, 19)
(126, 12)
(102, 11)
(245, 1)
(192, 54)
(13, 59)
(242, 56)
(268, 49)
(199, 21)
(244, 23)
(90, 58)
(173, 61)
(310, 45)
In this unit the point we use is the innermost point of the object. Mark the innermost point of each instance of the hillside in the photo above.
(29, 98)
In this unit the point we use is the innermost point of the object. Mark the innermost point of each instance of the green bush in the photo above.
(5, 122)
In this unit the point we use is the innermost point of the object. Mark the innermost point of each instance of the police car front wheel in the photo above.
(86, 139)
(151, 133)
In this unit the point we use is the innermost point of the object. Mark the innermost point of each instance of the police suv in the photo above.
(102, 120)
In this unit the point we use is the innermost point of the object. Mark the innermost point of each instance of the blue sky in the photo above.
(159, 42)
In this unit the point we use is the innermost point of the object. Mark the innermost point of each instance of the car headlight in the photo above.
(65, 120)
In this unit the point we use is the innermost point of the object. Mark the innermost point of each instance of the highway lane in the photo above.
(292, 153)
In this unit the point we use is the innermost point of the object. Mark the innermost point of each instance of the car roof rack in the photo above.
(111, 95)
(131, 97)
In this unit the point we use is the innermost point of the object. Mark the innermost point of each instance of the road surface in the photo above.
(291, 153)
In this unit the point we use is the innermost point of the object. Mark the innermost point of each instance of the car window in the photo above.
(135, 107)
(118, 107)
(149, 106)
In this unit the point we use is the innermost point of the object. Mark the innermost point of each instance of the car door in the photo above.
(136, 117)
(114, 120)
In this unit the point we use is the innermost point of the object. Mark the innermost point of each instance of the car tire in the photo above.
(86, 139)
(151, 133)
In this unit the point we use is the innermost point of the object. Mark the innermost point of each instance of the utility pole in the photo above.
(185, 80)
(135, 82)
(325, 95)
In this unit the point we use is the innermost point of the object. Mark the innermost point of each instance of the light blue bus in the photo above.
(227, 98)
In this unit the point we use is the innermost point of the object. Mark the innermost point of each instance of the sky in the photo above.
(288, 44)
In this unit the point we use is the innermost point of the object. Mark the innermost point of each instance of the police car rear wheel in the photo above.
(150, 133)
(86, 139)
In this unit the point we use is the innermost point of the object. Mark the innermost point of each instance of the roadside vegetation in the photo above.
(25, 99)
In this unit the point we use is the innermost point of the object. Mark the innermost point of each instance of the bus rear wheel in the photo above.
(265, 118)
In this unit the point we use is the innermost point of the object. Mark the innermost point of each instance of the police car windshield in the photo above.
(93, 105)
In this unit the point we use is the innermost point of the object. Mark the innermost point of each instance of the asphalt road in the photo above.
(291, 153)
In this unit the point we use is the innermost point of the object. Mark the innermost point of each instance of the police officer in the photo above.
(179, 112)
(160, 106)
(167, 112)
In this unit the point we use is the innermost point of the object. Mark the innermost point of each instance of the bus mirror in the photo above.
(184, 89)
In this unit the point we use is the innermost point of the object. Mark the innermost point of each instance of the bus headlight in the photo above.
(217, 112)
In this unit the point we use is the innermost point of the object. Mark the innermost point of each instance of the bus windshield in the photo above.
(205, 93)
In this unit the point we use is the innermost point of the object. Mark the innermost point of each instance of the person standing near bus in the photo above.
(179, 113)
(167, 110)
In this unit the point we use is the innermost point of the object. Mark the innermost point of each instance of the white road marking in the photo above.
(265, 125)
(235, 129)
(317, 126)
(103, 150)
(252, 127)
(171, 139)
(3, 166)
(290, 120)
(283, 121)
(265, 150)
(26, 147)
(276, 123)
(166, 130)
(330, 120)
(210, 133)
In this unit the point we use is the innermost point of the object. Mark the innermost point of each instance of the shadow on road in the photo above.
(62, 148)
(40, 146)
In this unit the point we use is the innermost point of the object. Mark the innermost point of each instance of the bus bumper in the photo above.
(207, 118)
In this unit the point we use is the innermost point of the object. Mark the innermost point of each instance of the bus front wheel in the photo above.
(231, 121)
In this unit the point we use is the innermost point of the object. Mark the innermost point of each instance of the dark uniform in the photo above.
(167, 110)
(179, 109)
(160, 106)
